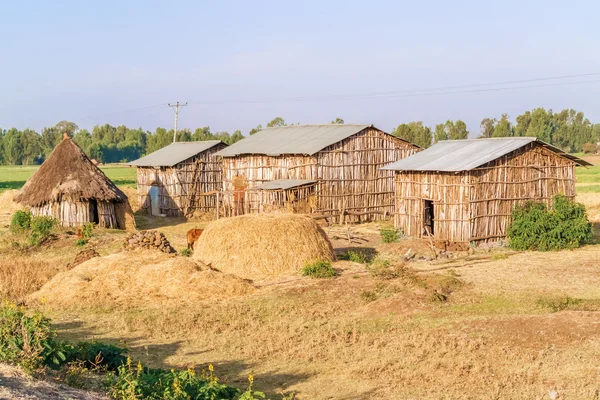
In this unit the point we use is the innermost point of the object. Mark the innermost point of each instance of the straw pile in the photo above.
(263, 245)
(137, 279)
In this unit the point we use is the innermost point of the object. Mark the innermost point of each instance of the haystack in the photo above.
(263, 245)
(70, 188)
(137, 279)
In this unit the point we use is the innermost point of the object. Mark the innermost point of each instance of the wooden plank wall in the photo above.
(185, 188)
(73, 213)
(531, 173)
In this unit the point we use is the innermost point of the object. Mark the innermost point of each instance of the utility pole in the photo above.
(176, 108)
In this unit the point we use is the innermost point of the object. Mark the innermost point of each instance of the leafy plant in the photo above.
(29, 341)
(185, 252)
(88, 230)
(81, 242)
(319, 269)
(20, 221)
(389, 235)
(41, 227)
(94, 354)
(535, 227)
(356, 256)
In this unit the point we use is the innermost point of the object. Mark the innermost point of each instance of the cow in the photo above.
(192, 236)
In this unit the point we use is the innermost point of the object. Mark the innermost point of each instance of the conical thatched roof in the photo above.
(69, 174)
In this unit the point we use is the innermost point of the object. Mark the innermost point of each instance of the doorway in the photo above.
(428, 220)
(94, 211)
(154, 206)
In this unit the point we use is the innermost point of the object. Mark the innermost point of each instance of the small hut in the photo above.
(180, 179)
(70, 188)
(331, 170)
(463, 191)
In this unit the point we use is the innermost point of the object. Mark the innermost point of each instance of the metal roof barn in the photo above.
(293, 139)
(174, 153)
(464, 155)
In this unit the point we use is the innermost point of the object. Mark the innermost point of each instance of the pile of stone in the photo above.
(148, 240)
(83, 256)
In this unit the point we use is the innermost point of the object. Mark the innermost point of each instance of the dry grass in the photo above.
(20, 276)
(259, 246)
(137, 279)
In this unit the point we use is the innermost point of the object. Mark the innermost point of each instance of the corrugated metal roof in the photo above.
(464, 155)
(282, 184)
(174, 153)
(293, 139)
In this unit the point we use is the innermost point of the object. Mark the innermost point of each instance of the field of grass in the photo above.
(14, 177)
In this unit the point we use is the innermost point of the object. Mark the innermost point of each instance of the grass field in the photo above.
(14, 177)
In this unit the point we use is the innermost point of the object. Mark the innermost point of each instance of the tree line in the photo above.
(567, 129)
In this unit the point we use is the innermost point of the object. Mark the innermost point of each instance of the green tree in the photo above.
(337, 121)
(440, 133)
(414, 132)
(277, 121)
(159, 139)
(202, 134)
(523, 122)
(49, 139)
(183, 135)
(487, 127)
(236, 137)
(541, 125)
(32, 151)
(255, 130)
(67, 126)
(12, 146)
(503, 128)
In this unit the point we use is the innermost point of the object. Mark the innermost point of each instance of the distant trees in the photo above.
(414, 132)
(450, 130)
(277, 121)
(337, 121)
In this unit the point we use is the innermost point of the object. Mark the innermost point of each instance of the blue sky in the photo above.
(92, 63)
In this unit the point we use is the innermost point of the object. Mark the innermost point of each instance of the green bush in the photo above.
(143, 383)
(97, 354)
(41, 227)
(355, 256)
(319, 269)
(81, 242)
(185, 252)
(389, 235)
(20, 221)
(535, 227)
(88, 230)
(29, 341)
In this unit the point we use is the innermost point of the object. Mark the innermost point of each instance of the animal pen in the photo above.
(332, 170)
(463, 191)
(71, 189)
(180, 179)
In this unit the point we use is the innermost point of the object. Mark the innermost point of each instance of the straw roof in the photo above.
(69, 174)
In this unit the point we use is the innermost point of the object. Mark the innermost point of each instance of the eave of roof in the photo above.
(174, 153)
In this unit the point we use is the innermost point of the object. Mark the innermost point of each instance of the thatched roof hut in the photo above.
(70, 188)
(463, 191)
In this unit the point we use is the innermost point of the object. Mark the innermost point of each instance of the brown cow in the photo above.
(192, 236)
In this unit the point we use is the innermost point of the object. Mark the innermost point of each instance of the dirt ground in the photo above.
(513, 325)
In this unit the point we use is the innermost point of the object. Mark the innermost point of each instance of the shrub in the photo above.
(381, 268)
(319, 269)
(355, 256)
(97, 354)
(88, 230)
(185, 252)
(589, 148)
(389, 235)
(144, 383)
(41, 227)
(535, 227)
(81, 242)
(29, 341)
(20, 221)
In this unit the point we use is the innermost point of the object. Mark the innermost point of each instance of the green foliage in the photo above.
(97, 354)
(450, 130)
(319, 269)
(144, 383)
(20, 221)
(28, 340)
(88, 230)
(81, 242)
(414, 132)
(589, 148)
(390, 235)
(534, 227)
(356, 256)
(41, 227)
(338, 121)
(185, 252)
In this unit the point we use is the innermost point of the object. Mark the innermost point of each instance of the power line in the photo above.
(175, 108)
(124, 111)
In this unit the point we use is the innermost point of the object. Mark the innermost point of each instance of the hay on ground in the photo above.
(137, 279)
(264, 245)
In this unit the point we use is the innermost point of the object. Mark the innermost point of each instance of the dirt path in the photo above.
(14, 384)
